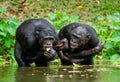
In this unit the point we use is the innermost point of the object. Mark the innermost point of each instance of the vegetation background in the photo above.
(103, 15)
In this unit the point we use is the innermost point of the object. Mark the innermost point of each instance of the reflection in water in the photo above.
(7, 74)
(28, 74)
(60, 74)
(71, 74)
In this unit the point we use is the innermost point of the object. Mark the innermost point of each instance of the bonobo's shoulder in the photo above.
(85, 26)
(76, 25)
(72, 25)
(40, 22)
(35, 20)
(69, 27)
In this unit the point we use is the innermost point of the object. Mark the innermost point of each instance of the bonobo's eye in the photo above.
(41, 40)
(76, 35)
(88, 36)
(37, 32)
(49, 38)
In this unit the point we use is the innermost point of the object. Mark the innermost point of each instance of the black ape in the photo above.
(35, 39)
(83, 44)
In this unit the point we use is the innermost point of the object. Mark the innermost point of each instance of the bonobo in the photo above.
(82, 42)
(35, 39)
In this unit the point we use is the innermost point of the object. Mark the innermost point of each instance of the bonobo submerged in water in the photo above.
(35, 39)
(82, 42)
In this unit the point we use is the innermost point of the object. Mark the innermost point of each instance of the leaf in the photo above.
(65, 18)
(3, 34)
(105, 57)
(116, 39)
(111, 52)
(117, 45)
(114, 26)
(117, 17)
(101, 18)
(59, 15)
(2, 60)
(74, 18)
(8, 42)
(3, 9)
(11, 30)
(115, 36)
(110, 18)
(115, 59)
(52, 16)
(2, 25)
(12, 51)
(12, 20)
(102, 38)
(109, 44)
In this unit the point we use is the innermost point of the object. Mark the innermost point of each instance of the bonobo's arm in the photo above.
(38, 54)
(18, 53)
(63, 45)
(65, 56)
(92, 51)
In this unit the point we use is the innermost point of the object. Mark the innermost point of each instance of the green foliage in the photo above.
(115, 59)
(3, 10)
(7, 32)
(60, 19)
(108, 28)
(107, 25)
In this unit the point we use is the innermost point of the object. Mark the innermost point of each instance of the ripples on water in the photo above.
(60, 74)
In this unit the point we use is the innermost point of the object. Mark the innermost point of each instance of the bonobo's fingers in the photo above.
(77, 60)
(74, 60)
(63, 44)
(63, 41)
(101, 44)
(69, 58)
(98, 48)
(62, 56)
(51, 53)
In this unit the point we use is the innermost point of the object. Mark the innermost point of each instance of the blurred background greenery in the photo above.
(103, 15)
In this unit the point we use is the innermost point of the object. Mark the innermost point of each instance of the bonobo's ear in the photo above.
(36, 34)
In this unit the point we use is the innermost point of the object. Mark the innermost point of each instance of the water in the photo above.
(60, 74)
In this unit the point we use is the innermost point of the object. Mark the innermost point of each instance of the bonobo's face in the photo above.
(78, 38)
(45, 39)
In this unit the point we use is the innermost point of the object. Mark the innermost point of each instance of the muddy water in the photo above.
(60, 74)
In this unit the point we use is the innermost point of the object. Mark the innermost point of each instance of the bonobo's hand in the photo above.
(69, 58)
(50, 53)
(63, 44)
(98, 48)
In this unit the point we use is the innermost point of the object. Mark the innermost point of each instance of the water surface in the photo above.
(60, 74)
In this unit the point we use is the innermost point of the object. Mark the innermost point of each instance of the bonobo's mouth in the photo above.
(47, 47)
(73, 46)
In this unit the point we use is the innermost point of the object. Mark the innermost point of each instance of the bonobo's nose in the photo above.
(49, 44)
(74, 41)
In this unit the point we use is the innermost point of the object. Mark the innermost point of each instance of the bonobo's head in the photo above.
(79, 37)
(45, 38)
